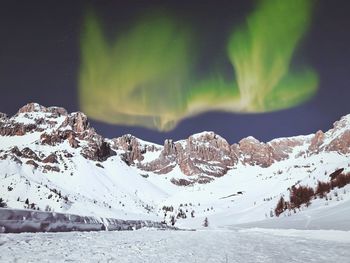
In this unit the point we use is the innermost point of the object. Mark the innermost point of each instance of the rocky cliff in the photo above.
(201, 157)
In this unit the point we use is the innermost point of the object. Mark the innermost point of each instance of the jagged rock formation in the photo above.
(56, 126)
(201, 157)
(132, 148)
(201, 154)
(208, 155)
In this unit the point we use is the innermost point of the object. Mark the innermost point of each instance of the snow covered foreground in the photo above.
(236, 245)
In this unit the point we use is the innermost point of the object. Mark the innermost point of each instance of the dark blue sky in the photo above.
(39, 61)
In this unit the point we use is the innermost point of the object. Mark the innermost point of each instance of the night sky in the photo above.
(40, 60)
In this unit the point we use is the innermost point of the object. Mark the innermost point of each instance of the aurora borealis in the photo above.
(141, 78)
(146, 76)
(261, 54)
(42, 61)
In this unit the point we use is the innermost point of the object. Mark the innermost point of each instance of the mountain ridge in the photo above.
(48, 152)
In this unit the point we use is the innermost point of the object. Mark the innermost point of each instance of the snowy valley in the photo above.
(51, 160)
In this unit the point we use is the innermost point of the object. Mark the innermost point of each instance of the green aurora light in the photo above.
(146, 77)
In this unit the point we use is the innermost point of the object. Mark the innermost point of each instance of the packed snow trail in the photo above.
(238, 245)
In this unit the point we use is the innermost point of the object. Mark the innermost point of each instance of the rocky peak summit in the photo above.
(201, 157)
(54, 126)
(35, 107)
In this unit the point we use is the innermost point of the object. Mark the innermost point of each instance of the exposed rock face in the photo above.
(30, 154)
(73, 128)
(340, 136)
(98, 151)
(252, 152)
(16, 129)
(97, 148)
(16, 151)
(47, 168)
(77, 121)
(205, 153)
(211, 155)
(132, 148)
(316, 142)
(52, 158)
(50, 139)
(35, 107)
(282, 148)
(32, 107)
(58, 137)
(340, 144)
(201, 157)
(31, 162)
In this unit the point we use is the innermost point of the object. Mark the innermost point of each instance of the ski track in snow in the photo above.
(237, 245)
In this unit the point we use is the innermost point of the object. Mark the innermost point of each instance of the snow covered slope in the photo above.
(52, 160)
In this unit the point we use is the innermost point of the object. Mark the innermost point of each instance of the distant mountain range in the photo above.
(53, 160)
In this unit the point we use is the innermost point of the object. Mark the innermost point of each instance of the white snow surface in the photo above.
(238, 245)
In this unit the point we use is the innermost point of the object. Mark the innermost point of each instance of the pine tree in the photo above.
(280, 206)
(172, 220)
(206, 222)
(3, 203)
(27, 203)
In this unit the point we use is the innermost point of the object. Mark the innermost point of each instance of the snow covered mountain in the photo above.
(53, 160)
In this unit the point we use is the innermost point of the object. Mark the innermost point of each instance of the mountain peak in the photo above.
(35, 107)
(32, 107)
(55, 151)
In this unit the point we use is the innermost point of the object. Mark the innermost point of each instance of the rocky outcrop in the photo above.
(32, 107)
(98, 151)
(76, 122)
(338, 138)
(201, 157)
(282, 148)
(16, 151)
(50, 139)
(31, 162)
(205, 153)
(316, 141)
(16, 129)
(74, 129)
(30, 154)
(50, 168)
(52, 158)
(340, 144)
(132, 148)
(35, 107)
(58, 136)
(253, 152)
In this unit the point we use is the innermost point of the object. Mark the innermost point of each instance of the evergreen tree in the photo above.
(3, 203)
(280, 206)
(206, 222)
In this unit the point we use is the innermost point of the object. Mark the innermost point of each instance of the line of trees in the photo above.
(302, 195)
